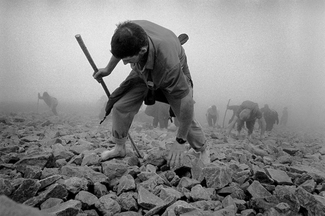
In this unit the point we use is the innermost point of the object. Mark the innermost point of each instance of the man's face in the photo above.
(131, 59)
(135, 58)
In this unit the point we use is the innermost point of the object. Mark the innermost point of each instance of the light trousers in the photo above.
(127, 107)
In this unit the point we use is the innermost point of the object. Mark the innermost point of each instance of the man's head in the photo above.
(214, 108)
(245, 114)
(129, 42)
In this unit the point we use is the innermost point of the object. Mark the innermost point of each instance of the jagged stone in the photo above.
(32, 172)
(309, 185)
(157, 157)
(148, 200)
(53, 191)
(169, 192)
(61, 152)
(314, 204)
(50, 202)
(227, 201)
(37, 160)
(199, 193)
(49, 180)
(287, 195)
(114, 168)
(26, 190)
(71, 208)
(100, 189)
(87, 199)
(258, 191)
(5, 187)
(80, 146)
(216, 176)
(167, 202)
(9, 149)
(76, 184)
(83, 172)
(153, 182)
(128, 201)
(248, 212)
(188, 183)
(126, 183)
(90, 159)
(279, 176)
(108, 206)
(207, 205)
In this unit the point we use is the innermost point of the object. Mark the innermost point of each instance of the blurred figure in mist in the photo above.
(212, 116)
(50, 101)
(271, 117)
(284, 117)
(247, 113)
(160, 113)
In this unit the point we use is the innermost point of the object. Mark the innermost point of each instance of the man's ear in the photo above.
(143, 50)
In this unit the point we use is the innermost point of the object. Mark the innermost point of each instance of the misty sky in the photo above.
(267, 51)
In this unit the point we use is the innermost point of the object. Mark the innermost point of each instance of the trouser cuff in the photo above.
(202, 148)
(121, 141)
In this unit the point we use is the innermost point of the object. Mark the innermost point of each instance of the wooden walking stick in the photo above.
(101, 81)
(224, 117)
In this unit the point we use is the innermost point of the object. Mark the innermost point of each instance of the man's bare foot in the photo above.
(203, 155)
(118, 151)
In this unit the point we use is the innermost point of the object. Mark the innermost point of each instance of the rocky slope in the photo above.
(51, 166)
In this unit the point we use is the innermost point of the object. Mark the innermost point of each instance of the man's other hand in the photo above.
(100, 74)
(175, 156)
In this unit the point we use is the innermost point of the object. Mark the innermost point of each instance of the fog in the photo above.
(268, 51)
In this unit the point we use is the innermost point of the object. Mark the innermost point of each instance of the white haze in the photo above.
(268, 51)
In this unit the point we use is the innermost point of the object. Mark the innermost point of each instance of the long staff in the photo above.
(224, 117)
(101, 81)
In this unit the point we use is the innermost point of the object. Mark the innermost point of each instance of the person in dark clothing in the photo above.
(271, 119)
(160, 113)
(284, 117)
(247, 113)
(50, 101)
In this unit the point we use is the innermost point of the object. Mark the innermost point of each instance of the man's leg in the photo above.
(155, 121)
(195, 136)
(214, 118)
(250, 128)
(209, 120)
(123, 113)
(240, 124)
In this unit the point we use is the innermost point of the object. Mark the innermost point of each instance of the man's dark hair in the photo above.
(128, 40)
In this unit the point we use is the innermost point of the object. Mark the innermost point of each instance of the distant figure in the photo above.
(234, 109)
(247, 113)
(50, 101)
(271, 117)
(160, 113)
(212, 116)
(266, 109)
(284, 117)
